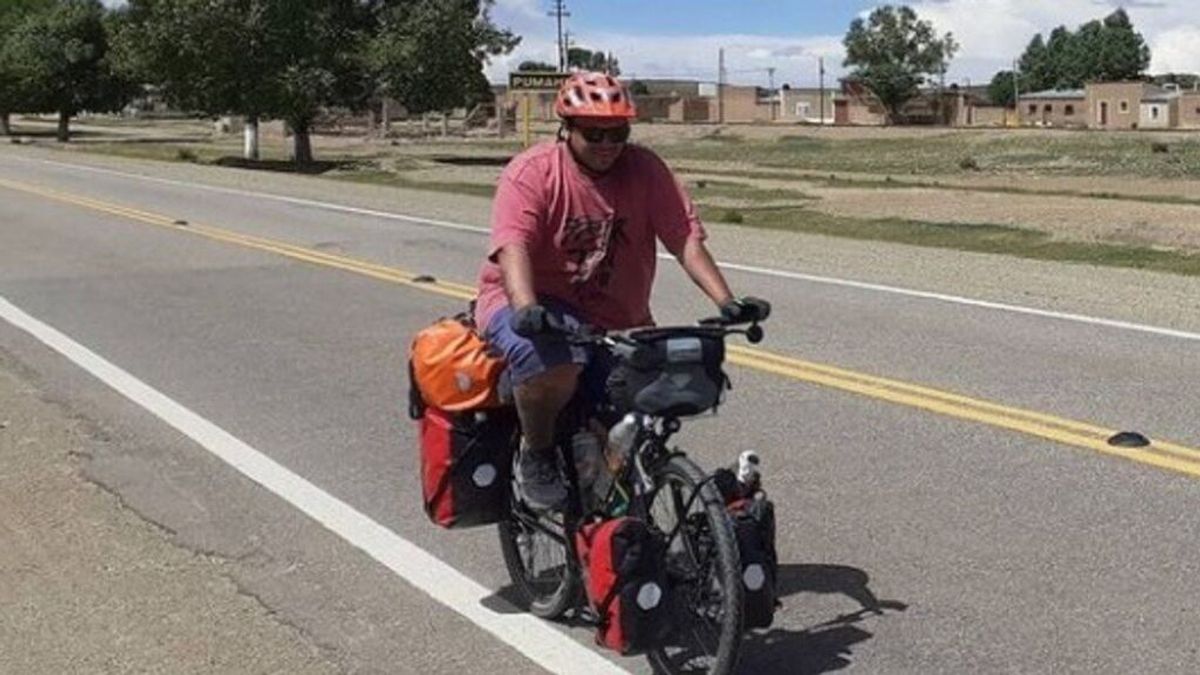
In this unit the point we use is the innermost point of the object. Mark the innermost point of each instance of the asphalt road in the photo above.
(995, 532)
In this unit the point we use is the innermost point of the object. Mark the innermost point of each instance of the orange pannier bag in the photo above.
(452, 369)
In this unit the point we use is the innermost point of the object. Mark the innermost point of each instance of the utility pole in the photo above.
(1017, 92)
(821, 75)
(721, 86)
(771, 89)
(942, 93)
(559, 13)
(566, 49)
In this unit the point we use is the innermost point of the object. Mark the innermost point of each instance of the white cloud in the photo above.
(696, 56)
(991, 33)
(994, 32)
(529, 9)
(1178, 50)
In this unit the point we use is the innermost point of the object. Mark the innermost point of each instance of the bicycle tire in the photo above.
(710, 506)
(546, 601)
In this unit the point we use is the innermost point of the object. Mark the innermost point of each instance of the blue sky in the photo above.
(662, 38)
(689, 17)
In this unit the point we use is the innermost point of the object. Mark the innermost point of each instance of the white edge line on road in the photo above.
(267, 195)
(532, 637)
(941, 297)
(749, 269)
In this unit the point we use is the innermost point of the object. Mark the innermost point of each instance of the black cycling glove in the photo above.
(745, 310)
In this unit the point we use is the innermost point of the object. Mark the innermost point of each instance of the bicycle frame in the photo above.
(648, 453)
(650, 448)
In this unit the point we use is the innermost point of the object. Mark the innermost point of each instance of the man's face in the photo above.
(598, 142)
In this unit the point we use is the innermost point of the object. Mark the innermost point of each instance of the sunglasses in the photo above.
(600, 134)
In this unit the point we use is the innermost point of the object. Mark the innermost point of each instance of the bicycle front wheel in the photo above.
(535, 553)
(704, 569)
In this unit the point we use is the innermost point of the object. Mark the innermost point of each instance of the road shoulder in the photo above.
(89, 586)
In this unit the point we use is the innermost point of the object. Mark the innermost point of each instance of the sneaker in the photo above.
(540, 485)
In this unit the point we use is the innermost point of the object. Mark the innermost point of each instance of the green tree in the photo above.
(59, 57)
(284, 59)
(537, 66)
(1003, 88)
(1058, 56)
(1100, 50)
(12, 99)
(1123, 53)
(430, 54)
(1037, 65)
(204, 56)
(1184, 80)
(1082, 61)
(892, 53)
(586, 59)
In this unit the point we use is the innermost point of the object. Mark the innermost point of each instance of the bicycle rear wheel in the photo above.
(536, 555)
(704, 569)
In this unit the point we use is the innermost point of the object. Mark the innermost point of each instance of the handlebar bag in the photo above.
(673, 372)
(466, 465)
(626, 583)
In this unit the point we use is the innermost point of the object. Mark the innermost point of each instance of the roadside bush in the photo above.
(968, 164)
(186, 155)
(733, 216)
(1160, 148)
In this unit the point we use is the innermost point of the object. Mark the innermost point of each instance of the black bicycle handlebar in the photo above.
(586, 334)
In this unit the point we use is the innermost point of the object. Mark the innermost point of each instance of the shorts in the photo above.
(529, 357)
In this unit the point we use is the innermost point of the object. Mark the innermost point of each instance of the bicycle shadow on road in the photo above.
(826, 646)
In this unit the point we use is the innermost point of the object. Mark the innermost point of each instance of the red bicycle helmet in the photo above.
(587, 94)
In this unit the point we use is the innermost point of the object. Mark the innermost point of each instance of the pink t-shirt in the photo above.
(591, 239)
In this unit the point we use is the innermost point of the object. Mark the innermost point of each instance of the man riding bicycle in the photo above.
(574, 229)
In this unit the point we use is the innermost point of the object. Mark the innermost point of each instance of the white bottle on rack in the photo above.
(621, 438)
(749, 472)
(589, 458)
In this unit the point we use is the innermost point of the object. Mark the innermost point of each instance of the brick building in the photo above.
(805, 106)
(1114, 105)
(1054, 108)
(1189, 110)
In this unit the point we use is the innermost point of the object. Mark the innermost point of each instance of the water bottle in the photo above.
(749, 472)
(620, 442)
(589, 458)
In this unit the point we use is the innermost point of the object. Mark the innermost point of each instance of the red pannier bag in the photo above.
(626, 583)
(466, 465)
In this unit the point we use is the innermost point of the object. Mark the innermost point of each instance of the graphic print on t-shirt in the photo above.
(589, 244)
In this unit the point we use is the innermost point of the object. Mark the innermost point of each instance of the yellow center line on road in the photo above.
(1069, 432)
(1161, 454)
(380, 272)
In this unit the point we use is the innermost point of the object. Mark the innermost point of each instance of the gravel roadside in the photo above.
(1159, 299)
(89, 587)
